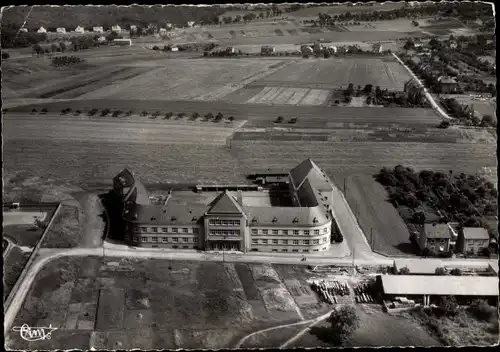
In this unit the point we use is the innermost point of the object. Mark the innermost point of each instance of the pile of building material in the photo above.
(361, 295)
(328, 290)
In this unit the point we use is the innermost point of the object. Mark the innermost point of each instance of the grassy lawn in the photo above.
(154, 304)
(12, 268)
(464, 329)
(66, 228)
(377, 329)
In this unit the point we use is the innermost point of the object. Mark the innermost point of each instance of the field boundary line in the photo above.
(303, 331)
(426, 91)
(28, 265)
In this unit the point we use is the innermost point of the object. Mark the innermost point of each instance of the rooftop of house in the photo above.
(475, 233)
(440, 285)
(418, 266)
(437, 231)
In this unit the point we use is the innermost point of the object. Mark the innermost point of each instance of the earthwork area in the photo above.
(157, 304)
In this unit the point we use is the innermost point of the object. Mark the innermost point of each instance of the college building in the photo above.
(296, 218)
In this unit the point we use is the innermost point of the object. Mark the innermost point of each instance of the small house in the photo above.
(116, 29)
(175, 48)
(267, 50)
(473, 240)
(61, 30)
(98, 29)
(169, 26)
(447, 84)
(133, 28)
(80, 30)
(41, 30)
(190, 23)
(24, 30)
(122, 42)
(435, 238)
(163, 31)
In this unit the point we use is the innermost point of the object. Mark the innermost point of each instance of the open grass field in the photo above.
(67, 227)
(334, 73)
(26, 234)
(377, 329)
(12, 267)
(376, 216)
(154, 304)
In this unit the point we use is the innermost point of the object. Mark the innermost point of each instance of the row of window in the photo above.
(172, 229)
(431, 241)
(225, 232)
(286, 250)
(219, 222)
(155, 239)
(287, 232)
(296, 242)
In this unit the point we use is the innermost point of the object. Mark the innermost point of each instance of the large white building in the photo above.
(238, 220)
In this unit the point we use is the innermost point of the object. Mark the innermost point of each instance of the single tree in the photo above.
(448, 305)
(195, 115)
(231, 118)
(344, 321)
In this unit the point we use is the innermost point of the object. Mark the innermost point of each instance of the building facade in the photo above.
(436, 238)
(473, 240)
(229, 223)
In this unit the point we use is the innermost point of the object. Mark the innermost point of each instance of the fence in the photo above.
(31, 259)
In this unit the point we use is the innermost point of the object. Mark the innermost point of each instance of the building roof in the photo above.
(224, 204)
(440, 285)
(138, 192)
(418, 266)
(475, 233)
(437, 231)
(446, 79)
(286, 216)
(493, 267)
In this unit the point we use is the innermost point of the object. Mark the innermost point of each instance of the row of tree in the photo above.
(66, 60)
(445, 9)
(13, 38)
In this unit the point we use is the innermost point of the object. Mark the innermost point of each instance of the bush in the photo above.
(144, 113)
(456, 272)
(195, 115)
(231, 118)
(5, 55)
(404, 271)
(44, 111)
(33, 111)
(169, 115)
(279, 119)
(444, 124)
(482, 310)
(448, 306)
(440, 271)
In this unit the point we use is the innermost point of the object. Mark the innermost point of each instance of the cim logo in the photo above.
(34, 333)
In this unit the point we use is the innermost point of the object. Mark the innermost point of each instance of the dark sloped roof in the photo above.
(286, 216)
(299, 173)
(225, 204)
(437, 231)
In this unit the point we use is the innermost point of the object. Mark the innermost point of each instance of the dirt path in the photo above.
(311, 322)
(306, 329)
(426, 91)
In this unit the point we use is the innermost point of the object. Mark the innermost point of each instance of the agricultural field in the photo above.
(66, 228)
(156, 304)
(205, 80)
(334, 73)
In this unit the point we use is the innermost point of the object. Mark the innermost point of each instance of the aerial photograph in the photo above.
(249, 176)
